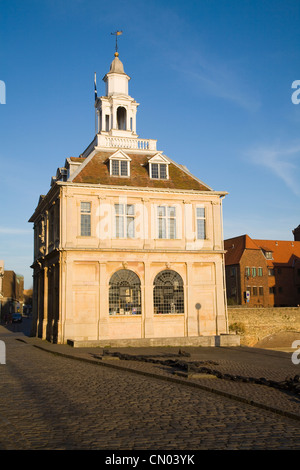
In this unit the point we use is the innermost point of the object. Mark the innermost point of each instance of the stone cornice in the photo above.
(142, 250)
(52, 194)
(142, 189)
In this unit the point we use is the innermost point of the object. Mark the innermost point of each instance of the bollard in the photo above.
(2, 353)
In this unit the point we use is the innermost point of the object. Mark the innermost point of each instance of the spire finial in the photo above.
(117, 33)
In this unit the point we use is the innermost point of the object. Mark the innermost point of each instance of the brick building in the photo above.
(296, 233)
(1, 284)
(262, 272)
(12, 293)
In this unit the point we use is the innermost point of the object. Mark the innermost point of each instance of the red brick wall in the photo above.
(285, 282)
(296, 233)
(254, 259)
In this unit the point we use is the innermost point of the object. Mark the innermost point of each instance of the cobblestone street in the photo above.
(53, 402)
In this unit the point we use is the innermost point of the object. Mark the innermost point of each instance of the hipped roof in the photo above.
(283, 252)
(96, 171)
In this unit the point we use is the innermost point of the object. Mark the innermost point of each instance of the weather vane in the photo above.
(117, 33)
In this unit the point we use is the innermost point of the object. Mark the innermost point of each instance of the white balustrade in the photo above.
(126, 143)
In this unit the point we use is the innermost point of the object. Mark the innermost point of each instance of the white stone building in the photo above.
(128, 243)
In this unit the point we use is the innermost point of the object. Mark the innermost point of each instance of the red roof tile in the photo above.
(235, 248)
(284, 252)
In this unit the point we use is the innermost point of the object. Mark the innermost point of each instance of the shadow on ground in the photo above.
(281, 341)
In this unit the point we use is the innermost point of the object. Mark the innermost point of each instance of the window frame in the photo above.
(268, 254)
(168, 293)
(124, 293)
(203, 219)
(113, 161)
(232, 271)
(159, 164)
(88, 215)
(165, 227)
(123, 221)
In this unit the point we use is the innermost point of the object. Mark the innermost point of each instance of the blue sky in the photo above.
(213, 79)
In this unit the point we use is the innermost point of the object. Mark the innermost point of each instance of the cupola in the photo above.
(116, 110)
(116, 79)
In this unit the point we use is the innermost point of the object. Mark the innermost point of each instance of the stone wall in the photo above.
(254, 324)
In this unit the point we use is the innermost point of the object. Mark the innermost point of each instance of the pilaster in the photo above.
(45, 316)
(193, 315)
(148, 302)
(221, 323)
(103, 326)
(216, 225)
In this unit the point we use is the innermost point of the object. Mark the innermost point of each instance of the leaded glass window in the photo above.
(168, 295)
(119, 167)
(159, 171)
(154, 170)
(124, 168)
(124, 293)
(163, 171)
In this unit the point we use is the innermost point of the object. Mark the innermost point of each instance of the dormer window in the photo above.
(158, 167)
(119, 164)
(119, 168)
(158, 171)
(268, 254)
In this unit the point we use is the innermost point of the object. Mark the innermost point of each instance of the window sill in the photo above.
(89, 237)
(123, 238)
(122, 315)
(166, 239)
(168, 314)
(120, 176)
(159, 179)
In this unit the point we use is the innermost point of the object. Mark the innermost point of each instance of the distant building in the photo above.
(128, 244)
(296, 233)
(1, 284)
(12, 293)
(27, 306)
(262, 273)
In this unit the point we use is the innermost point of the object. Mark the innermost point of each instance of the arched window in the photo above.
(121, 118)
(168, 294)
(124, 293)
